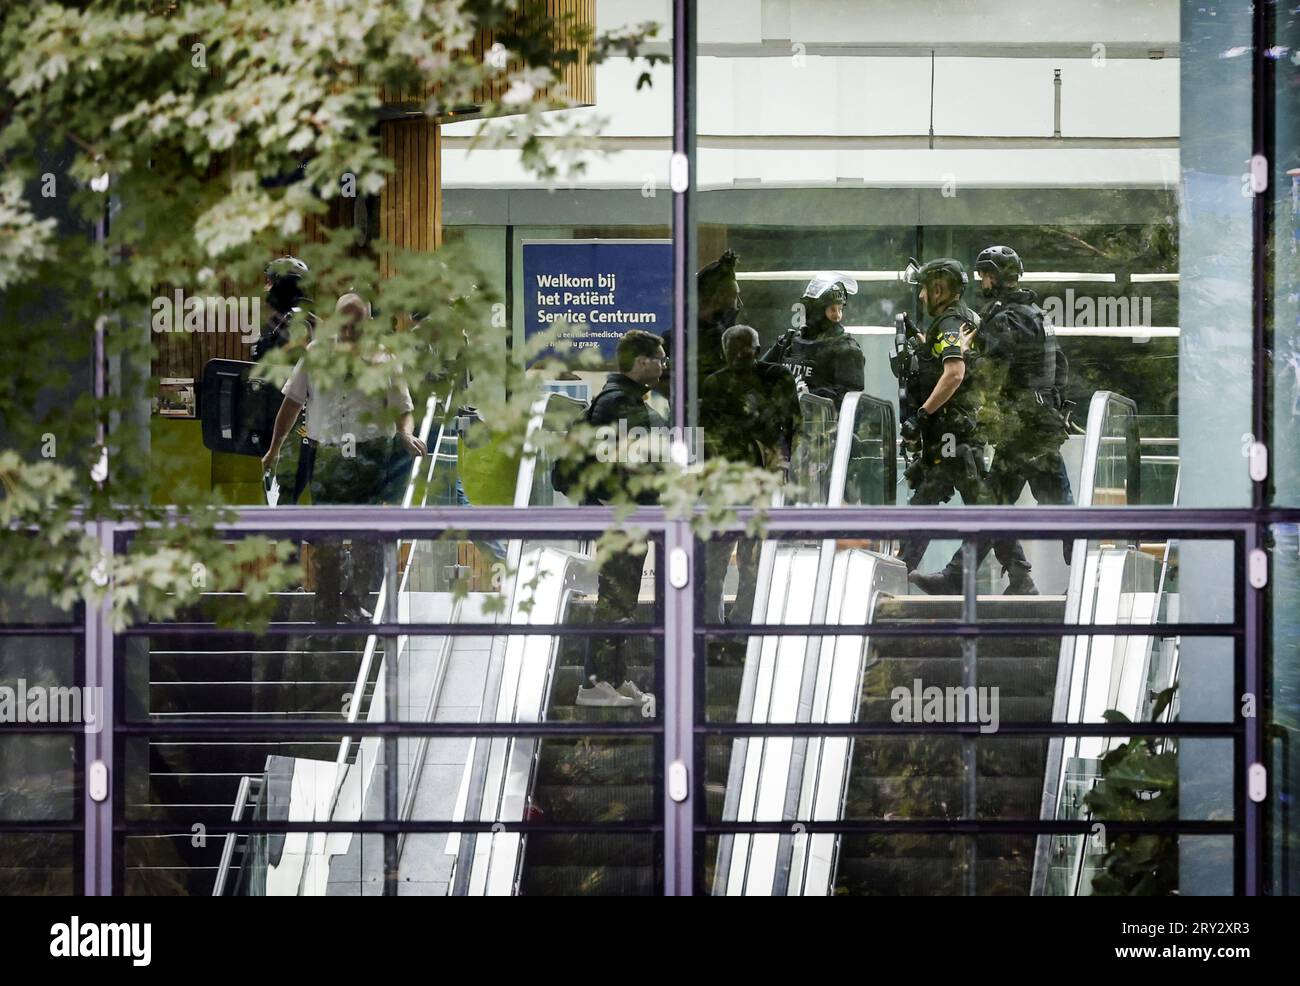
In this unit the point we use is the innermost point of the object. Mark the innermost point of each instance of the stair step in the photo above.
(989, 649)
(289, 607)
(271, 665)
(597, 803)
(589, 881)
(564, 849)
(941, 797)
(173, 788)
(292, 697)
(248, 757)
(989, 609)
(941, 876)
(941, 756)
(1010, 709)
(1015, 675)
(568, 679)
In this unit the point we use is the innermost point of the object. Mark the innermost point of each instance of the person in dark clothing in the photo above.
(749, 409)
(286, 296)
(940, 434)
(719, 302)
(824, 359)
(622, 407)
(749, 413)
(353, 433)
(1020, 413)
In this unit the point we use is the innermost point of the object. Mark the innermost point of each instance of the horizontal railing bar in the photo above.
(1001, 628)
(320, 729)
(972, 826)
(559, 523)
(399, 630)
(35, 825)
(1069, 730)
(41, 630)
(961, 826)
(377, 826)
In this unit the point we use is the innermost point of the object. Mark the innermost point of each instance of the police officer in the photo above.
(1021, 410)
(749, 413)
(825, 360)
(940, 431)
(286, 296)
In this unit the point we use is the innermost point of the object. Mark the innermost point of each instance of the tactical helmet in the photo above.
(286, 290)
(285, 267)
(830, 288)
(1001, 260)
(944, 266)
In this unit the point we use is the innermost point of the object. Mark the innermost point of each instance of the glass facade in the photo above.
(933, 533)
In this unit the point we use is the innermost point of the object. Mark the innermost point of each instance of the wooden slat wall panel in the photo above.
(410, 205)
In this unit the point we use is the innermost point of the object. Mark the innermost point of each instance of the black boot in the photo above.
(1020, 583)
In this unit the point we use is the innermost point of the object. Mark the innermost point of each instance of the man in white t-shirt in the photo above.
(357, 437)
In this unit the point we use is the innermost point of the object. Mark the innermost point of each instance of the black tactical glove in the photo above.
(911, 428)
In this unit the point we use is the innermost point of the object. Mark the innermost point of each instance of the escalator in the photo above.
(937, 778)
(848, 458)
(468, 678)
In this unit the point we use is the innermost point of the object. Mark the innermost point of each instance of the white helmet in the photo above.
(834, 283)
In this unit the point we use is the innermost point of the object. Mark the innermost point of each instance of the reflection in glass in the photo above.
(38, 864)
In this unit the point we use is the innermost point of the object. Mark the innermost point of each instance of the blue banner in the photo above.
(600, 288)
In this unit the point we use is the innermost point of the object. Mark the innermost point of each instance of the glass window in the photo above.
(838, 143)
(1284, 296)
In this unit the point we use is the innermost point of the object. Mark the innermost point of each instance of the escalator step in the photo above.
(1023, 677)
(941, 797)
(246, 758)
(572, 849)
(568, 678)
(1010, 709)
(597, 803)
(589, 881)
(943, 876)
(605, 760)
(244, 665)
(232, 697)
(1036, 609)
(989, 649)
(941, 756)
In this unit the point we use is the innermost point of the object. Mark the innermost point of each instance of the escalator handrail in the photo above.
(845, 431)
(1094, 433)
(368, 656)
(1092, 438)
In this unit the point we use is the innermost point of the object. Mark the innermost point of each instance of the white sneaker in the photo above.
(603, 695)
(630, 689)
(644, 700)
